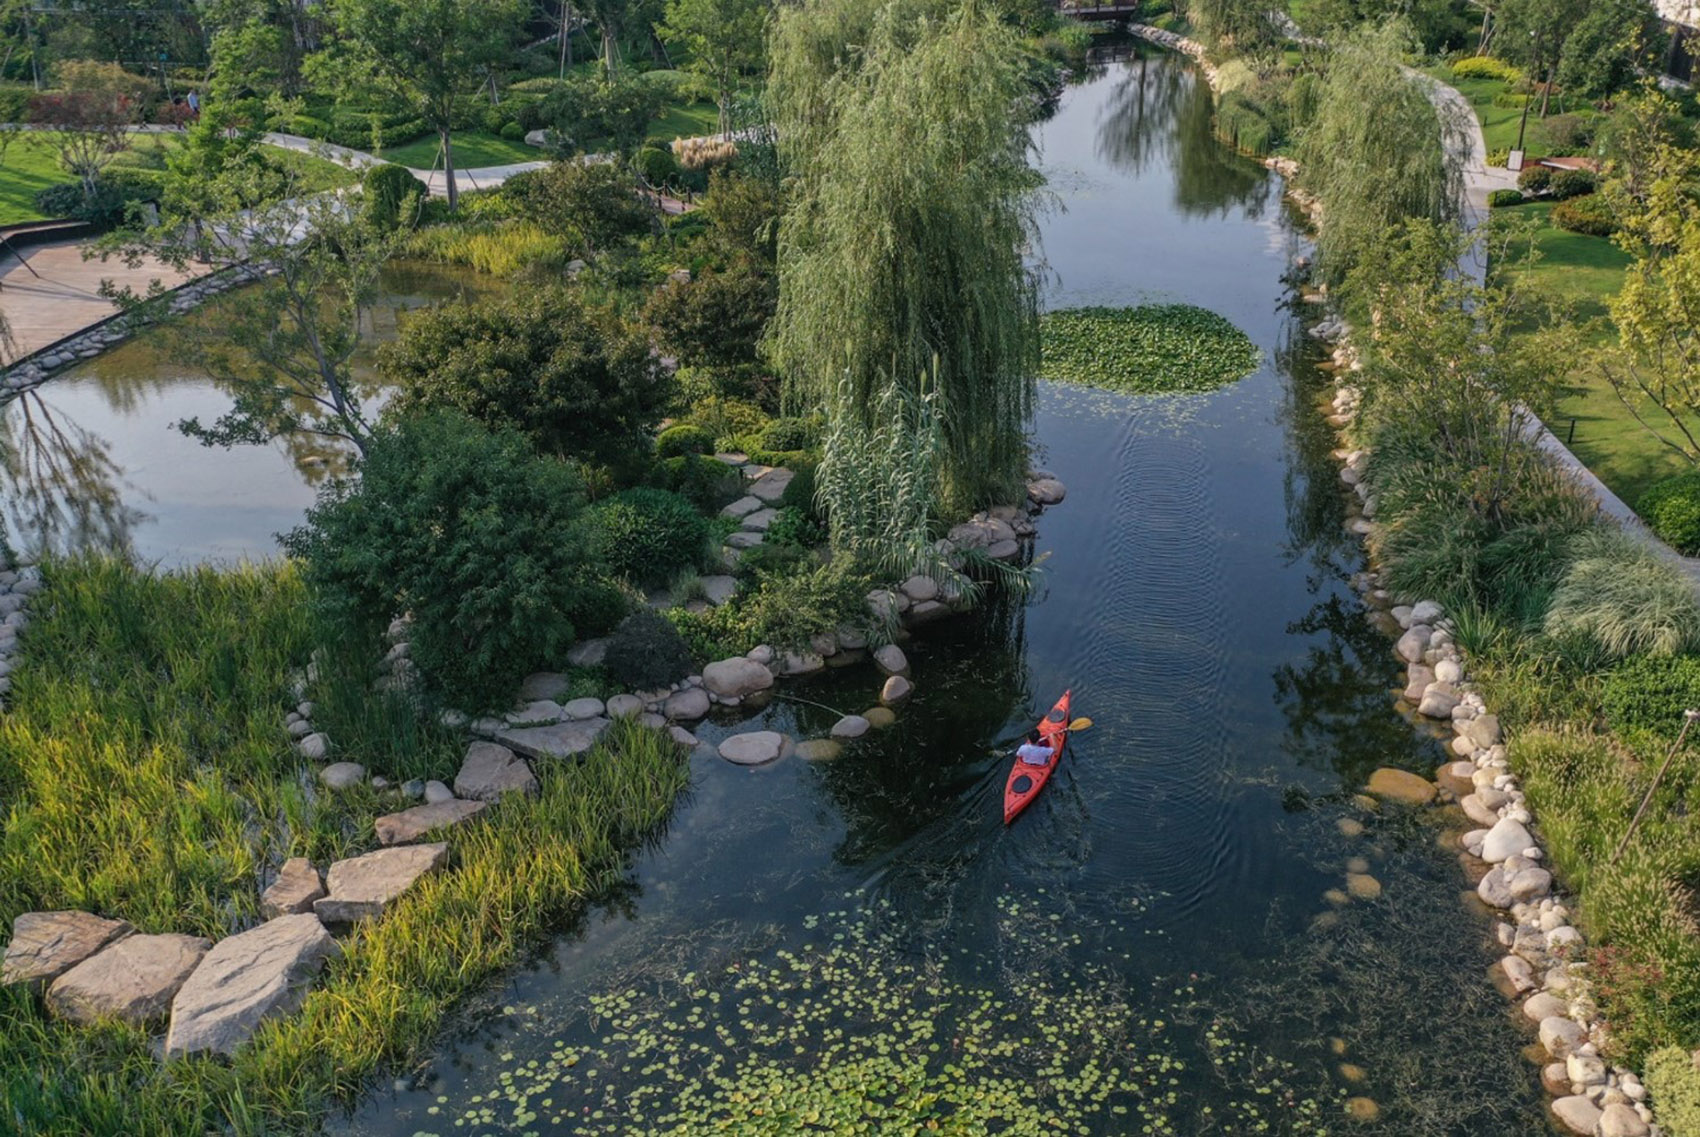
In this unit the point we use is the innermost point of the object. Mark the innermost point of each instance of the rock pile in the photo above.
(17, 584)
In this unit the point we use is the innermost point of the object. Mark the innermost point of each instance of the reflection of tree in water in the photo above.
(61, 487)
(1162, 111)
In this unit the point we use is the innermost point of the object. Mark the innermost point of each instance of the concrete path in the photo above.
(62, 295)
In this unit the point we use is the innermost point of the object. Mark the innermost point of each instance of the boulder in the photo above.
(1583, 1069)
(489, 771)
(687, 705)
(736, 677)
(1494, 889)
(920, 588)
(412, 824)
(717, 590)
(585, 708)
(436, 793)
(1540, 1006)
(537, 711)
(891, 660)
(850, 726)
(1418, 678)
(1507, 838)
(343, 775)
(885, 605)
(1519, 974)
(1004, 550)
(543, 685)
(1438, 700)
(314, 747)
(1426, 612)
(1620, 1120)
(1478, 810)
(293, 892)
(770, 487)
(1448, 670)
(895, 690)
(1561, 1035)
(682, 737)
(798, 663)
(981, 533)
(246, 979)
(624, 707)
(1413, 643)
(926, 611)
(1483, 730)
(361, 887)
(45, 945)
(1401, 785)
(1046, 491)
(133, 980)
(1576, 1114)
(563, 740)
(1530, 885)
(753, 748)
(1457, 777)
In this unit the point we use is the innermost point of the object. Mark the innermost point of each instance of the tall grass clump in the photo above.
(146, 776)
(1625, 598)
(500, 248)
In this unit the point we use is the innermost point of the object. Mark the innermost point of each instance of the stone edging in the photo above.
(17, 584)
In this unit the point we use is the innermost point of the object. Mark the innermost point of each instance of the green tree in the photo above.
(716, 319)
(1247, 28)
(429, 53)
(724, 40)
(1603, 52)
(87, 120)
(593, 206)
(574, 379)
(1377, 150)
(903, 275)
(470, 531)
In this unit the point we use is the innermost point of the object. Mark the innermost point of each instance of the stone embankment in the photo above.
(1543, 968)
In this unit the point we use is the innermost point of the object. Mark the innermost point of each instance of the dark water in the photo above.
(94, 457)
(1148, 949)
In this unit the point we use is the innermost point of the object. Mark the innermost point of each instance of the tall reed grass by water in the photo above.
(146, 776)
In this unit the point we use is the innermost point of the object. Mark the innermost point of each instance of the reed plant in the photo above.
(146, 776)
(500, 248)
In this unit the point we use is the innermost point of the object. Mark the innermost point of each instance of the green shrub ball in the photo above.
(1672, 508)
(683, 439)
(647, 535)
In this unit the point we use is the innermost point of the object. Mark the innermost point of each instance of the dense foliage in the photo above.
(1151, 349)
(574, 379)
(716, 318)
(391, 196)
(646, 653)
(1672, 508)
(470, 531)
(591, 205)
(646, 535)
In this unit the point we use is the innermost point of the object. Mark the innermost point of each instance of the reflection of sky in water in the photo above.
(1193, 595)
(101, 457)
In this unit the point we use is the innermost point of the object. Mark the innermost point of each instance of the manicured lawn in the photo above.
(473, 148)
(30, 163)
(689, 121)
(1587, 271)
(1500, 123)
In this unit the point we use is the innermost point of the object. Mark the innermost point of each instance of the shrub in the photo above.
(646, 535)
(1535, 179)
(1675, 1087)
(1485, 67)
(708, 482)
(800, 492)
(488, 246)
(391, 194)
(792, 526)
(657, 165)
(573, 378)
(513, 131)
(1649, 693)
(1569, 132)
(592, 207)
(1624, 597)
(470, 531)
(1567, 184)
(748, 383)
(685, 438)
(646, 652)
(790, 434)
(715, 319)
(1672, 508)
(1589, 214)
(1243, 124)
(1500, 198)
(727, 418)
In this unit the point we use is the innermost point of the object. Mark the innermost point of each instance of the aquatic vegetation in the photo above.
(854, 1031)
(1149, 349)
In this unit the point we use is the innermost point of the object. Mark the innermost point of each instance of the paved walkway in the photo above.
(62, 295)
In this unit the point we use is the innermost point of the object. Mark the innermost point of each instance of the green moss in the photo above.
(1151, 349)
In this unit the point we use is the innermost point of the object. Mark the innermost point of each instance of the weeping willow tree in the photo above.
(907, 311)
(1378, 151)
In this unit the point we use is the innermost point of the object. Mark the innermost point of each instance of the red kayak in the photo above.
(1026, 779)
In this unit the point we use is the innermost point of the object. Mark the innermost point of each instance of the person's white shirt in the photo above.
(1034, 753)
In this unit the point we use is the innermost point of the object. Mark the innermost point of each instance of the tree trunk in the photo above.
(1546, 92)
(566, 36)
(449, 167)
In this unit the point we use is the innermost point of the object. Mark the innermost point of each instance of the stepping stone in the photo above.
(687, 705)
(246, 979)
(293, 892)
(754, 748)
(412, 824)
(588, 653)
(743, 507)
(361, 887)
(733, 459)
(45, 945)
(490, 771)
(585, 708)
(543, 685)
(891, 660)
(564, 740)
(744, 539)
(760, 520)
(133, 980)
(717, 590)
(770, 487)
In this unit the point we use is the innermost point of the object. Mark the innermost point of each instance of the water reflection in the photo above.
(59, 483)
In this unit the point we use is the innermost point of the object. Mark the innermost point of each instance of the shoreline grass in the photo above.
(146, 776)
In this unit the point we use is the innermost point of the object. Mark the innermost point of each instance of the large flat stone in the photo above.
(563, 740)
(1576, 1114)
(770, 487)
(717, 590)
(293, 892)
(244, 980)
(134, 979)
(45, 945)
(490, 771)
(754, 748)
(412, 824)
(361, 887)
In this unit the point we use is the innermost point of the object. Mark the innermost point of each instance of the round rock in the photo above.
(891, 660)
(879, 717)
(342, 775)
(624, 707)
(819, 750)
(753, 748)
(586, 708)
(895, 690)
(850, 726)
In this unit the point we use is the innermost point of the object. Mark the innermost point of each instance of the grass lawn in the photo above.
(1499, 124)
(689, 121)
(1587, 271)
(473, 148)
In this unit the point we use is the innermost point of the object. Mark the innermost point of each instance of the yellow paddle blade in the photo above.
(1080, 723)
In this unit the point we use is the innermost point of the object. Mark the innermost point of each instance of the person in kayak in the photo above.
(1034, 752)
